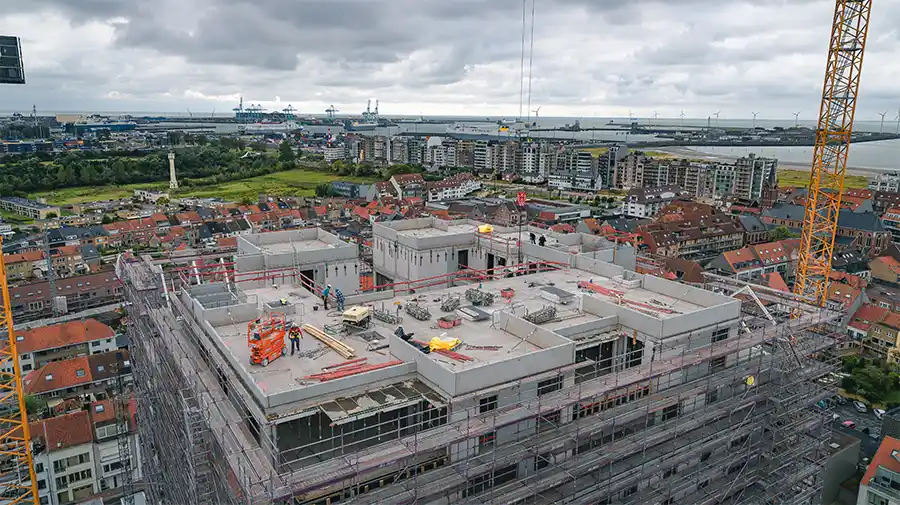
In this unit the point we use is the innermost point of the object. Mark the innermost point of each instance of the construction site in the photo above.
(562, 378)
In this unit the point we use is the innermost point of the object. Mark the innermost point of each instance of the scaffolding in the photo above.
(731, 420)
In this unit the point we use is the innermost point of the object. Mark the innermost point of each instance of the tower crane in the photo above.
(826, 178)
(18, 484)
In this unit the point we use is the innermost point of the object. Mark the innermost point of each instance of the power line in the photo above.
(522, 61)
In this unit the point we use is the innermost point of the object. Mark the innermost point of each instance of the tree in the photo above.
(34, 404)
(52, 215)
(286, 152)
(323, 190)
(781, 233)
(106, 219)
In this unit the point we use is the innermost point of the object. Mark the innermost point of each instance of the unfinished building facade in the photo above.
(576, 381)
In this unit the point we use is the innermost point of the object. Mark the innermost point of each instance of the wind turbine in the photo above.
(882, 114)
(630, 116)
(796, 119)
(754, 119)
(655, 116)
(898, 121)
(537, 111)
(682, 117)
(717, 117)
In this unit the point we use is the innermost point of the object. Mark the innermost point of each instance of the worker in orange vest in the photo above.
(295, 335)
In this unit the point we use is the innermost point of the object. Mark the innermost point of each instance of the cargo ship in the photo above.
(264, 127)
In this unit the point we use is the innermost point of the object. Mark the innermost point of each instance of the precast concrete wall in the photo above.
(245, 246)
(432, 371)
(589, 328)
(535, 252)
(366, 379)
(598, 267)
(687, 293)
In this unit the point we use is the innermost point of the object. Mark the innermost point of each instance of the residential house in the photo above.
(697, 239)
(32, 301)
(77, 455)
(647, 202)
(865, 231)
(881, 481)
(885, 269)
(82, 377)
(891, 220)
(150, 195)
(39, 346)
(409, 185)
(454, 187)
(884, 200)
(755, 231)
(884, 296)
(24, 266)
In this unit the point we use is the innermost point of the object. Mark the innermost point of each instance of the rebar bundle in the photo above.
(417, 311)
(450, 304)
(541, 316)
(385, 316)
(479, 298)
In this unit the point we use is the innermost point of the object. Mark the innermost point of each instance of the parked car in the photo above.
(878, 413)
(849, 424)
(840, 399)
(835, 418)
(860, 407)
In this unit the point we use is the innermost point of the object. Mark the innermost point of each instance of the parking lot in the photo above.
(862, 420)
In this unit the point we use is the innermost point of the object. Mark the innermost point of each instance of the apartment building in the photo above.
(532, 170)
(59, 342)
(453, 187)
(696, 238)
(28, 208)
(886, 269)
(647, 202)
(574, 170)
(752, 175)
(885, 181)
(77, 455)
(409, 185)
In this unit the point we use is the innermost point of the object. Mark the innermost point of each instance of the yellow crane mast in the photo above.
(18, 484)
(826, 179)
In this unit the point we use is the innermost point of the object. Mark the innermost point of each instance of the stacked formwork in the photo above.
(727, 421)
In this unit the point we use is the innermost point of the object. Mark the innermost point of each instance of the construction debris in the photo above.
(387, 317)
(473, 313)
(417, 311)
(339, 347)
(347, 371)
(479, 298)
(541, 316)
(314, 353)
(484, 347)
(453, 355)
(450, 304)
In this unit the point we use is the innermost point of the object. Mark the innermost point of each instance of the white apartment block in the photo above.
(889, 181)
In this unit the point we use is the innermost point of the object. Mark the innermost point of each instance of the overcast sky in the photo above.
(462, 57)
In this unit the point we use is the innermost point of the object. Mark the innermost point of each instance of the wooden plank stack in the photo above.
(339, 347)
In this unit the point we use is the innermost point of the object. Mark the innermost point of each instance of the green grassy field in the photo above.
(82, 194)
(800, 178)
(291, 182)
(11, 218)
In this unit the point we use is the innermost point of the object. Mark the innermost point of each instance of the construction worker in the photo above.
(325, 293)
(340, 299)
(295, 335)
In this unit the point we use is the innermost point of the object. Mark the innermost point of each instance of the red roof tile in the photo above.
(59, 335)
(29, 256)
(888, 456)
(58, 375)
(775, 281)
(64, 431)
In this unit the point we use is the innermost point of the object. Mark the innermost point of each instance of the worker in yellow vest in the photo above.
(295, 335)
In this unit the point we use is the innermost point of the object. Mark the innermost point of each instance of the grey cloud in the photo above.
(596, 54)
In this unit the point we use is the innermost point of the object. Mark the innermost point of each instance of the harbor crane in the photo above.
(840, 91)
(330, 112)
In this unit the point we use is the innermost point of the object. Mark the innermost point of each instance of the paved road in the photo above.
(862, 420)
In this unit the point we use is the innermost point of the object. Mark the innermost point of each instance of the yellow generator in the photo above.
(357, 316)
